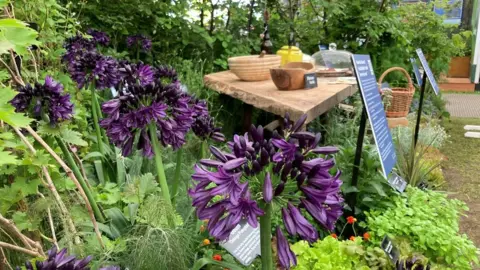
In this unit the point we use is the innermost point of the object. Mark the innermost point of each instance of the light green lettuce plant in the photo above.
(330, 254)
(428, 220)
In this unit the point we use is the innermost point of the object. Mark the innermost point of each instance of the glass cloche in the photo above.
(333, 63)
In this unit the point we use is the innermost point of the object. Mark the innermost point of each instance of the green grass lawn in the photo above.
(463, 153)
(462, 172)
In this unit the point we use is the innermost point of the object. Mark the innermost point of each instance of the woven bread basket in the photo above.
(401, 96)
(252, 67)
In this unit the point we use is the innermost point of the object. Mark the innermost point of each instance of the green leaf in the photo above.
(73, 137)
(23, 222)
(16, 35)
(99, 170)
(206, 261)
(7, 158)
(92, 155)
(7, 111)
(118, 222)
(26, 187)
(4, 3)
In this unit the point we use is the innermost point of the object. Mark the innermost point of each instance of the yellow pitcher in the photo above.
(290, 54)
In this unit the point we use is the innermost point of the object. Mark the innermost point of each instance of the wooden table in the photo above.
(264, 95)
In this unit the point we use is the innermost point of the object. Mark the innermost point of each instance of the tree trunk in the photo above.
(467, 15)
(202, 13)
(250, 16)
(229, 14)
(212, 17)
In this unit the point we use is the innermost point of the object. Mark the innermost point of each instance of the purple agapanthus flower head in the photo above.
(258, 168)
(93, 67)
(204, 125)
(136, 73)
(140, 41)
(44, 101)
(140, 104)
(59, 260)
(99, 37)
(75, 47)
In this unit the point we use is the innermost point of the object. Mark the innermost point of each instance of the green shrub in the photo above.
(428, 220)
(330, 253)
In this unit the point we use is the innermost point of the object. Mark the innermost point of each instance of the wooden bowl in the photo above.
(291, 76)
(252, 67)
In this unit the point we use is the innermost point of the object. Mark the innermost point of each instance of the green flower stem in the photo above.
(162, 179)
(203, 150)
(120, 167)
(81, 180)
(95, 120)
(266, 237)
(176, 179)
(99, 115)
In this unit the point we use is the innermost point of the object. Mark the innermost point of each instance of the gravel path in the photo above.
(463, 105)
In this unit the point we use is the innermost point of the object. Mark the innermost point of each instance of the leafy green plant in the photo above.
(330, 254)
(462, 42)
(428, 220)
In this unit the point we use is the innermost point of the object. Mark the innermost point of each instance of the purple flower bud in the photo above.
(303, 227)
(326, 150)
(299, 123)
(267, 189)
(264, 157)
(293, 173)
(278, 167)
(218, 154)
(303, 135)
(288, 222)
(234, 163)
(211, 163)
(279, 189)
(256, 166)
(300, 179)
(285, 255)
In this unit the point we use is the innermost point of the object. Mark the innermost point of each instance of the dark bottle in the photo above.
(267, 45)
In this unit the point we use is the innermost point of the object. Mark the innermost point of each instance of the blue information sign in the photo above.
(416, 71)
(427, 69)
(372, 101)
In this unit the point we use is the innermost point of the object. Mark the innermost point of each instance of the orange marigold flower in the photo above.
(334, 235)
(351, 220)
(217, 257)
(206, 242)
(366, 236)
(352, 238)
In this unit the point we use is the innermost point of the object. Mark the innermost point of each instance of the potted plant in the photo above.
(460, 63)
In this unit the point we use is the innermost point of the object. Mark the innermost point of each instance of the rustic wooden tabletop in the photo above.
(264, 95)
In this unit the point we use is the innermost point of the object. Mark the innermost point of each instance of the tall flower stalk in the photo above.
(149, 112)
(289, 171)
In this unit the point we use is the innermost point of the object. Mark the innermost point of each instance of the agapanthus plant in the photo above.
(139, 41)
(138, 73)
(59, 260)
(204, 124)
(75, 47)
(44, 101)
(99, 37)
(288, 171)
(92, 68)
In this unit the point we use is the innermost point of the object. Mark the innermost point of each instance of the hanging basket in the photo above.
(401, 96)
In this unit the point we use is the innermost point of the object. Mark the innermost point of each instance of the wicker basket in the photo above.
(401, 97)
